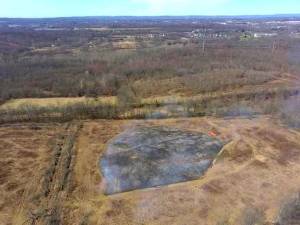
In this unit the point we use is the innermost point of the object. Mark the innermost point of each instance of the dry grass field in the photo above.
(25, 154)
(48, 102)
(50, 175)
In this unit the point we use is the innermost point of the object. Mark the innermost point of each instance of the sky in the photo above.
(66, 8)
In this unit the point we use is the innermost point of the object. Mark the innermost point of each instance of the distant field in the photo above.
(48, 102)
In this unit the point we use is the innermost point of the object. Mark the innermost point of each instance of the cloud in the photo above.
(169, 6)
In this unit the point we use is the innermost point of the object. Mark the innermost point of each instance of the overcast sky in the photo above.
(58, 8)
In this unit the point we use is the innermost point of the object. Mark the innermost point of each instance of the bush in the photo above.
(127, 98)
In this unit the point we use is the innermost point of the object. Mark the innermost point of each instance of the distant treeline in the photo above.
(148, 71)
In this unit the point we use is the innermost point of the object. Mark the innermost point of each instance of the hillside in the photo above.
(150, 121)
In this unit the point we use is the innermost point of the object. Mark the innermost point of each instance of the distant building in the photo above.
(261, 35)
(295, 35)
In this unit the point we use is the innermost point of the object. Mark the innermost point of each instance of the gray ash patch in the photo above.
(146, 157)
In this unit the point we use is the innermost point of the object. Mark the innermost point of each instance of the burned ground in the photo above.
(148, 156)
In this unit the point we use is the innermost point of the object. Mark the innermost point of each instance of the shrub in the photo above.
(127, 98)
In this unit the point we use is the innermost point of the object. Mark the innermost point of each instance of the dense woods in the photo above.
(103, 73)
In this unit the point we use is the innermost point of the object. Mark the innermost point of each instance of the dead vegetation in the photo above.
(248, 179)
(49, 182)
(57, 180)
(49, 165)
(244, 102)
(289, 213)
(253, 216)
(24, 160)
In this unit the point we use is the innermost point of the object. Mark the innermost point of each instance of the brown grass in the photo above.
(46, 102)
(249, 173)
(25, 153)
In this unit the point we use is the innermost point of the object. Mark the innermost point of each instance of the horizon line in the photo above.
(112, 16)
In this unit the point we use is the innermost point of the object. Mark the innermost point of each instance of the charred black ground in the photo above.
(145, 157)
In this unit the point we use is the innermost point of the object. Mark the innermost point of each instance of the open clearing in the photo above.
(259, 167)
(50, 102)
